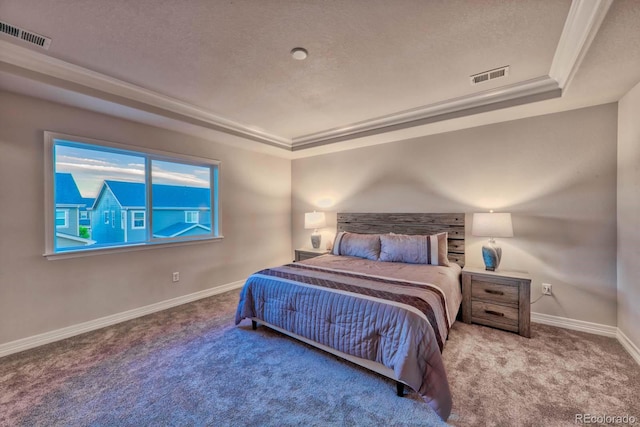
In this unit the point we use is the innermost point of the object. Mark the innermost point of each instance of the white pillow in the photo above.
(358, 245)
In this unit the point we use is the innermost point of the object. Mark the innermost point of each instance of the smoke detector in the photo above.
(486, 76)
(25, 35)
(299, 53)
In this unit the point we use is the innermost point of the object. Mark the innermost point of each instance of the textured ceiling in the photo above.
(367, 58)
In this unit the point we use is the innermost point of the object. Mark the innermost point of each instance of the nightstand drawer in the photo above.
(496, 315)
(494, 292)
(499, 299)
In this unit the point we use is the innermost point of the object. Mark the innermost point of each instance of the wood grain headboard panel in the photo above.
(410, 223)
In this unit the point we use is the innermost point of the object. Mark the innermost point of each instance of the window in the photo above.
(171, 197)
(192, 217)
(137, 220)
(62, 218)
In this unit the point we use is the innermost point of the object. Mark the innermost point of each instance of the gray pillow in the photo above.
(414, 249)
(358, 245)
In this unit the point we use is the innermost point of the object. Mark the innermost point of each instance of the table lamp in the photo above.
(492, 225)
(314, 220)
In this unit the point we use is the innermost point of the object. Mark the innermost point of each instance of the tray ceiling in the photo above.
(372, 67)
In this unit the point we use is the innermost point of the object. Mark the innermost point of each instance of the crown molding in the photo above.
(30, 60)
(580, 28)
(534, 89)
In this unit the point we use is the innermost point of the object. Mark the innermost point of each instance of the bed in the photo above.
(373, 308)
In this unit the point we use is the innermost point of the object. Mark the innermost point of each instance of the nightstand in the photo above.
(500, 299)
(306, 253)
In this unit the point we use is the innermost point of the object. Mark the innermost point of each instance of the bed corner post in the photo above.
(254, 325)
(399, 389)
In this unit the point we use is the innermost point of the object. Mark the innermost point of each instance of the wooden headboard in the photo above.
(410, 223)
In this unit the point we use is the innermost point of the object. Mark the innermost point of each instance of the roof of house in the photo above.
(179, 229)
(67, 192)
(174, 196)
(88, 201)
(132, 194)
(73, 238)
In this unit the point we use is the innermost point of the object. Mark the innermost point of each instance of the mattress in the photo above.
(394, 314)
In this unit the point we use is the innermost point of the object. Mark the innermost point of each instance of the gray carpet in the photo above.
(191, 366)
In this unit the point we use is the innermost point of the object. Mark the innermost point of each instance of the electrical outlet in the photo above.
(546, 289)
(176, 276)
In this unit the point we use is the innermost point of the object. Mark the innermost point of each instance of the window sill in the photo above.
(131, 248)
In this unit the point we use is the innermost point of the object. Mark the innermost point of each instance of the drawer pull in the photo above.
(491, 291)
(495, 313)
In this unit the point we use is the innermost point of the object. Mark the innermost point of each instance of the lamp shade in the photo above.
(314, 220)
(492, 225)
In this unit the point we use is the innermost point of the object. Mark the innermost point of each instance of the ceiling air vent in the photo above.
(24, 35)
(489, 75)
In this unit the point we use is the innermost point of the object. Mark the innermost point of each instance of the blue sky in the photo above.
(91, 167)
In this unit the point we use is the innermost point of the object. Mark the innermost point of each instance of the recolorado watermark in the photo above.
(605, 419)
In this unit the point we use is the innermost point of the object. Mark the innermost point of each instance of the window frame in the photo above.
(133, 219)
(186, 217)
(66, 218)
(50, 139)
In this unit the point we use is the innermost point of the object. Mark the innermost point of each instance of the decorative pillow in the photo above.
(358, 245)
(414, 249)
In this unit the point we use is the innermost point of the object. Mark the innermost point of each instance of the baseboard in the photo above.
(633, 350)
(60, 334)
(592, 328)
(576, 325)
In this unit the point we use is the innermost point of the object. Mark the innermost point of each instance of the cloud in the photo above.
(81, 160)
(91, 173)
(86, 167)
(168, 177)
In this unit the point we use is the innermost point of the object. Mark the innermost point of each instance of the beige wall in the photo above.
(555, 173)
(629, 215)
(37, 295)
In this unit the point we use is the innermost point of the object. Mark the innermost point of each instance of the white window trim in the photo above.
(133, 220)
(83, 215)
(105, 217)
(49, 211)
(123, 220)
(66, 218)
(197, 215)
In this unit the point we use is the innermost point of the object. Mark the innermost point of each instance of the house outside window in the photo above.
(62, 218)
(192, 217)
(138, 220)
(171, 197)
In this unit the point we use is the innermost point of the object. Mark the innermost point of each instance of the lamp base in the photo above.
(315, 240)
(491, 255)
